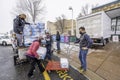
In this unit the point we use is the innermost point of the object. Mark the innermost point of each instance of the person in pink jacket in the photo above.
(32, 55)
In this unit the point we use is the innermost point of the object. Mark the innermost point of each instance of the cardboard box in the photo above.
(21, 53)
(42, 52)
(64, 63)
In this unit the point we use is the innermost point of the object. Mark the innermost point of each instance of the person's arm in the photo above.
(26, 22)
(77, 40)
(35, 48)
(89, 40)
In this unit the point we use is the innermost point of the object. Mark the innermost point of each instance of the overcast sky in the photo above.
(54, 9)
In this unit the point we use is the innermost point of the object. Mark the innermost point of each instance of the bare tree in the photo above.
(60, 23)
(96, 5)
(85, 10)
(33, 8)
(80, 15)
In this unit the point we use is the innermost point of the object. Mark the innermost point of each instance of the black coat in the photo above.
(18, 25)
(58, 37)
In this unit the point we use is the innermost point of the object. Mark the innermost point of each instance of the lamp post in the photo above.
(70, 8)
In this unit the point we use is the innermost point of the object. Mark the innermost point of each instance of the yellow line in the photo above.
(45, 74)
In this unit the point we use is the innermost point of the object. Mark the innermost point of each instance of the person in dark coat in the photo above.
(85, 43)
(58, 41)
(18, 26)
(49, 42)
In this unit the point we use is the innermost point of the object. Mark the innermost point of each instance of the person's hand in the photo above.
(84, 48)
(21, 32)
(38, 57)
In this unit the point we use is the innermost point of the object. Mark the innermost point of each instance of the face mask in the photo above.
(22, 18)
(80, 32)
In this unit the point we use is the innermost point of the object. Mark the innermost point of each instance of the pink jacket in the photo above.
(33, 48)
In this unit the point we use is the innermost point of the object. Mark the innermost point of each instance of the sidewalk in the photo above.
(103, 63)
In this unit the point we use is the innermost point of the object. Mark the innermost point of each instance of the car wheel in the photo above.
(4, 43)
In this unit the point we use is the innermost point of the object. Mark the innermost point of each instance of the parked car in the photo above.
(5, 40)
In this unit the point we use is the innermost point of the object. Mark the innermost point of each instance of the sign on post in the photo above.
(115, 38)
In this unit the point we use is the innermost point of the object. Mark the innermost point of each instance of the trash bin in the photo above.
(72, 38)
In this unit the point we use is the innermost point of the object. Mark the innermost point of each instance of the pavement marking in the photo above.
(64, 75)
(45, 74)
(79, 72)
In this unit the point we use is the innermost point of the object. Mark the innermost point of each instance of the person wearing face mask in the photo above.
(18, 26)
(33, 57)
(85, 43)
(49, 42)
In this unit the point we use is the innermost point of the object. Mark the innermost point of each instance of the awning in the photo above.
(113, 13)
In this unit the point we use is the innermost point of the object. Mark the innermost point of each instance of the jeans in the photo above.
(82, 57)
(19, 39)
(58, 45)
(48, 54)
(33, 62)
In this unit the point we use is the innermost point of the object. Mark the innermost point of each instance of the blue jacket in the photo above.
(84, 41)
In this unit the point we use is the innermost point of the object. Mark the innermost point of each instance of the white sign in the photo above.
(64, 63)
(115, 38)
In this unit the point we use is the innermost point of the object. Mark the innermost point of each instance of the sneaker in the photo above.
(82, 71)
(79, 68)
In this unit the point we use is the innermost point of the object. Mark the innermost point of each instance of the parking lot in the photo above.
(10, 72)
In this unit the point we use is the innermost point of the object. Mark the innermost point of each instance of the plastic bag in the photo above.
(21, 54)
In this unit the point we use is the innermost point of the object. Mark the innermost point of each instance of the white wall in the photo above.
(92, 23)
(106, 25)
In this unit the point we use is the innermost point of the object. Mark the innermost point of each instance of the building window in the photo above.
(118, 24)
(113, 24)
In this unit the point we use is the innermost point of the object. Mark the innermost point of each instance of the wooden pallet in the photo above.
(55, 65)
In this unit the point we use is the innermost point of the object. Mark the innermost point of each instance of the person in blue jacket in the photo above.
(85, 43)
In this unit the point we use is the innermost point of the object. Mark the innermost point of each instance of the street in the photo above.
(10, 72)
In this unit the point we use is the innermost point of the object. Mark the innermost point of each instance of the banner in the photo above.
(66, 39)
(72, 38)
(62, 39)
(54, 37)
